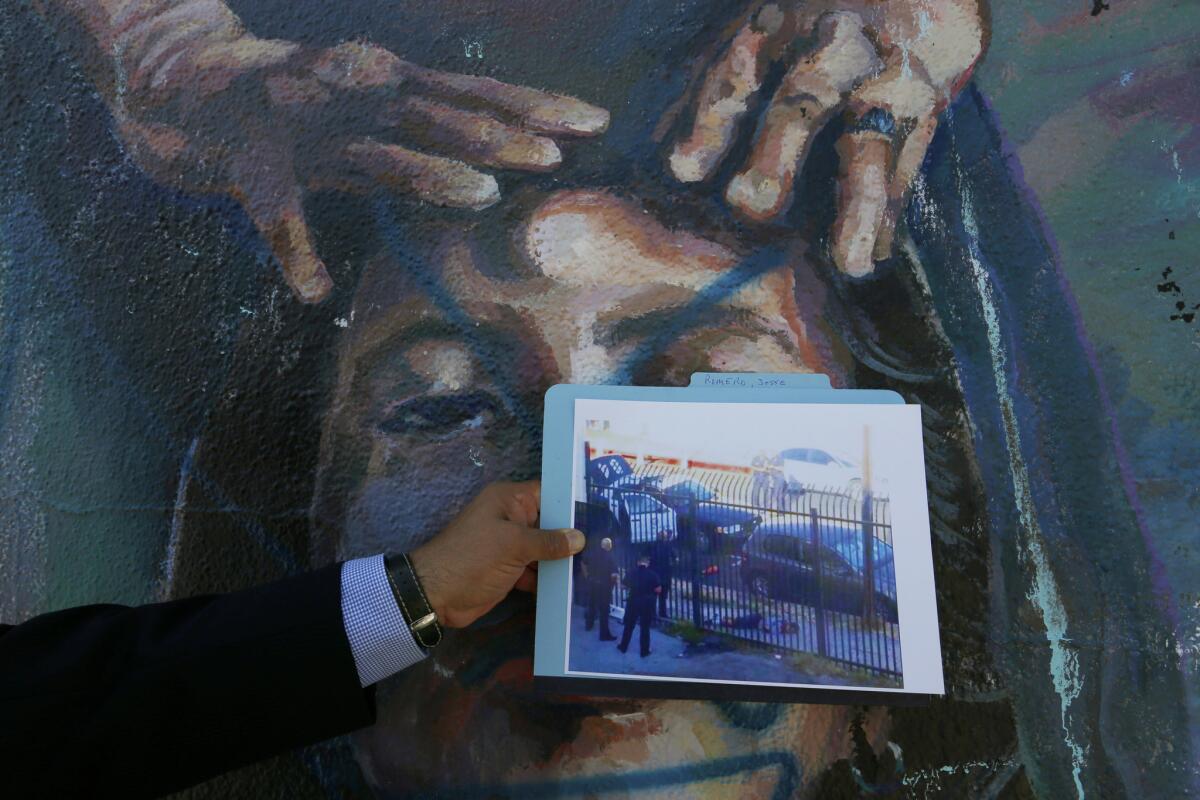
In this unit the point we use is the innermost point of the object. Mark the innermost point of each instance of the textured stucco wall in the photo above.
(173, 421)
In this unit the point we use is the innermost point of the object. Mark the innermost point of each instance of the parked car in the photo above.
(607, 477)
(718, 526)
(779, 562)
(642, 518)
(808, 467)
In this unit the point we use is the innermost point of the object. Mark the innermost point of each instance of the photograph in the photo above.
(734, 542)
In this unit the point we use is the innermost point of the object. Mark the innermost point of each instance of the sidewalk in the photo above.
(668, 658)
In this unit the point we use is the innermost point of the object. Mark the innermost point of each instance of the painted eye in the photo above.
(441, 416)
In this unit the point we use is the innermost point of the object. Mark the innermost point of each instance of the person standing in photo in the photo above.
(759, 481)
(600, 575)
(777, 482)
(662, 554)
(639, 607)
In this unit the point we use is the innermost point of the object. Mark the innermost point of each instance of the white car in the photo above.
(643, 518)
(810, 468)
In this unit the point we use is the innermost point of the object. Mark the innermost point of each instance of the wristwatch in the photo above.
(410, 597)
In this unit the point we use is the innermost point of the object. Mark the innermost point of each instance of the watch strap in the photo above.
(410, 597)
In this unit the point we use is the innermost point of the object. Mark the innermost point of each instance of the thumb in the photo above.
(552, 545)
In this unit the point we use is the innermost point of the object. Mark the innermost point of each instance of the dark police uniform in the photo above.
(660, 561)
(601, 566)
(639, 607)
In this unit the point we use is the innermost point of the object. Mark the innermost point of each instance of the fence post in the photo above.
(819, 612)
(868, 518)
(697, 616)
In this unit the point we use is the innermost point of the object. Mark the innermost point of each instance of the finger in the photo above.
(724, 98)
(518, 502)
(809, 94)
(367, 164)
(864, 166)
(908, 164)
(472, 137)
(263, 180)
(551, 545)
(528, 580)
(544, 112)
(899, 95)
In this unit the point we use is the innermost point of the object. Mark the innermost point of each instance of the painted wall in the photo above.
(243, 335)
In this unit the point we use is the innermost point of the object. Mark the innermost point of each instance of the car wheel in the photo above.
(704, 542)
(760, 585)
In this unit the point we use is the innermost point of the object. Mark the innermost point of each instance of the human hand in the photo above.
(263, 120)
(889, 67)
(487, 551)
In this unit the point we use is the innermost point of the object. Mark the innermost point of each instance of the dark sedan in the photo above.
(716, 526)
(779, 562)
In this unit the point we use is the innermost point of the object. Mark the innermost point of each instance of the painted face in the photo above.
(440, 385)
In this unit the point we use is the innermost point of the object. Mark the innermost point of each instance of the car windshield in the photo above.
(690, 489)
(642, 504)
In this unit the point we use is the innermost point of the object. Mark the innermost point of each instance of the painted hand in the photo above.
(488, 550)
(263, 120)
(888, 67)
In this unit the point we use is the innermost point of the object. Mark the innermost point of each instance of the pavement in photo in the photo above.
(668, 658)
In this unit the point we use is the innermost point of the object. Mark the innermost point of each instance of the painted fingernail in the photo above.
(575, 539)
(586, 119)
(570, 116)
(756, 195)
(533, 152)
(470, 189)
(689, 167)
(854, 257)
(315, 288)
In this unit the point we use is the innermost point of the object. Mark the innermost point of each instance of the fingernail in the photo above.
(474, 190)
(533, 152)
(855, 259)
(586, 119)
(314, 289)
(756, 195)
(575, 539)
(687, 167)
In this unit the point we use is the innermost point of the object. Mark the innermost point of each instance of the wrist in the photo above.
(412, 598)
(430, 579)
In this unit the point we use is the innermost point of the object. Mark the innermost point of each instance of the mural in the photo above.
(284, 282)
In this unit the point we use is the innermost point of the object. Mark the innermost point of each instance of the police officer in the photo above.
(601, 574)
(639, 607)
(661, 555)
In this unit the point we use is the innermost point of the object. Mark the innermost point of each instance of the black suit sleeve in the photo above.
(110, 700)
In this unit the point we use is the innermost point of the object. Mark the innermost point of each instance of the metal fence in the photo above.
(742, 553)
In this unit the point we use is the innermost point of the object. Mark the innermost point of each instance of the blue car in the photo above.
(779, 562)
(716, 526)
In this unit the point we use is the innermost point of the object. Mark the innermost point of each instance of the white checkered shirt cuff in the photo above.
(379, 637)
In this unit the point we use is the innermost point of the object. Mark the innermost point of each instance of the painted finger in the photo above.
(726, 93)
(265, 184)
(864, 171)
(810, 92)
(533, 109)
(886, 109)
(908, 165)
(359, 67)
(365, 165)
(472, 137)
